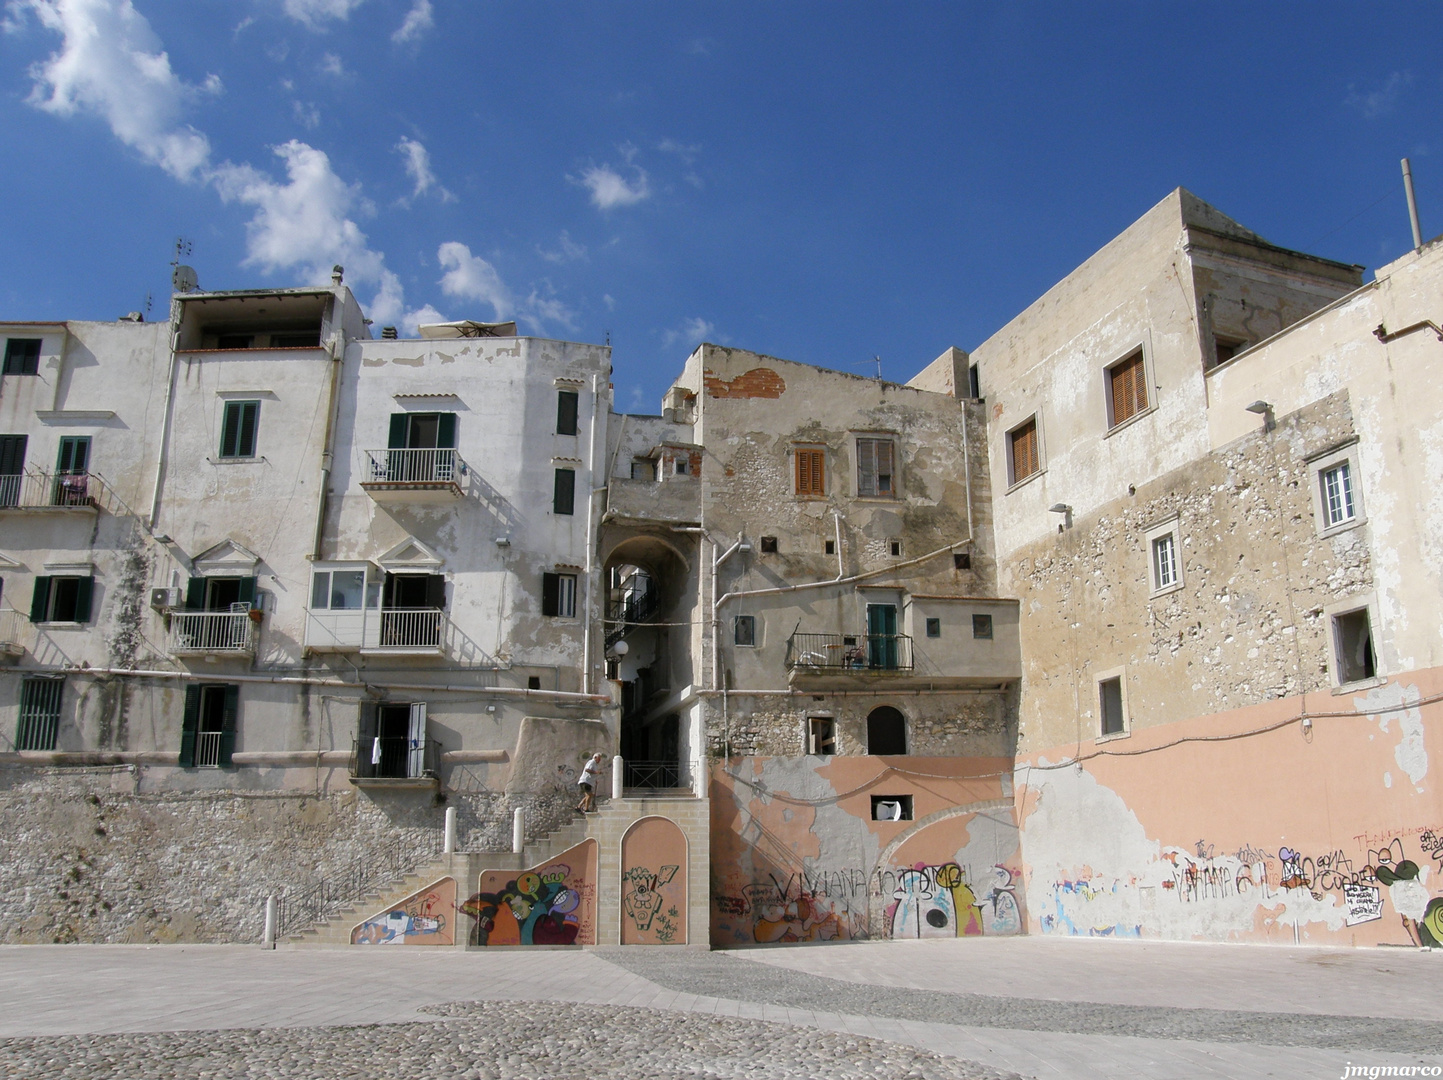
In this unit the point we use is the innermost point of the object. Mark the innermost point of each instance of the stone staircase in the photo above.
(607, 825)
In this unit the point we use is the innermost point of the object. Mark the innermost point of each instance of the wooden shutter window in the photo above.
(40, 600)
(550, 594)
(564, 495)
(1129, 389)
(446, 431)
(227, 726)
(84, 592)
(566, 409)
(1024, 451)
(189, 726)
(396, 437)
(810, 477)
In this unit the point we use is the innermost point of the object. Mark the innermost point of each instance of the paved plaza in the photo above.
(943, 1010)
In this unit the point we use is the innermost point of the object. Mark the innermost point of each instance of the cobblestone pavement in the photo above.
(491, 1040)
(1042, 1008)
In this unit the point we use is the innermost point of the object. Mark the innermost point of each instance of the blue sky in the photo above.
(822, 182)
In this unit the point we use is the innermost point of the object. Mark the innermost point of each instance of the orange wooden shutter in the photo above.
(809, 473)
(1129, 389)
(1024, 451)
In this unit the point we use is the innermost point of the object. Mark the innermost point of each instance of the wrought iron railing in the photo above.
(435, 466)
(13, 627)
(299, 908)
(652, 775)
(36, 490)
(849, 652)
(212, 632)
(638, 607)
(207, 749)
(395, 758)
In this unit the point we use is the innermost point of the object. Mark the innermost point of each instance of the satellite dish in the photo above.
(184, 279)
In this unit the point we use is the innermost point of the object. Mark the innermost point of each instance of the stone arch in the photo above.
(886, 731)
(655, 863)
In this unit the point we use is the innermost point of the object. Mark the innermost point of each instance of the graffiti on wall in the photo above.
(550, 904)
(423, 918)
(653, 883)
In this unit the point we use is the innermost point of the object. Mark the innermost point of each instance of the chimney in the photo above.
(388, 333)
(337, 273)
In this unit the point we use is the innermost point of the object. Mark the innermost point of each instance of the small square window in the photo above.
(830, 547)
(1338, 504)
(238, 429)
(558, 595)
(744, 630)
(982, 627)
(533, 682)
(821, 735)
(934, 627)
(891, 808)
(22, 356)
(895, 548)
(961, 560)
(1023, 458)
(1353, 646)
(1225, 348)
(1111, 705)
(1126, 389)
(681, 466)
(769, 545)
(1164, 558)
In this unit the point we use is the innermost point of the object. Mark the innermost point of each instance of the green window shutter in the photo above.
(84, 590)
(230, 431)
(550, 594)
(40, 600)
(227, 725)
(189, 725)
(195, 594)
(436, 592)
(564, 499)
(247, 593)
(446, 431)
(397, 440)
(566, 408)
(250, 414)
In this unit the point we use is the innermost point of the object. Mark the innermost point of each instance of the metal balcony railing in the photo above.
(207, 750)
(36, 490)
(436, 466)
(394, 758)
(410, 628)
(13, 630)
(652, 775)
(636, 607)
(849, 652)
(212, 632)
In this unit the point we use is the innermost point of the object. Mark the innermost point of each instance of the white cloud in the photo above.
(609, 189)
(568, 250)
(470, 277)
(307, 115)
(314, 12)
(608, 301)
(418, 20)
(331, 65)
(418, 168)
(691, 333)
(687, 153)
(1380, 102)
(112, 64)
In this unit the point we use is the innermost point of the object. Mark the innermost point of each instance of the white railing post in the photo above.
(618, 777)
(269, 940)
(518, 830)
(449, 846)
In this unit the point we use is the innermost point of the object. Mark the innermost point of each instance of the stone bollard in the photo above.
(518, 830)
(268, 940)
(618, 777)
(449, 845)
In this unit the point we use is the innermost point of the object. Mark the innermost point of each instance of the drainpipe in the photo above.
(837, 521)
(742, 546)
(588, 667)
(1412, 205)
(337, 345)
(166, 413)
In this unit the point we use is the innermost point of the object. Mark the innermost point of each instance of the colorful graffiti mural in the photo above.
(423, 918)
(550, 904)
(653, 883)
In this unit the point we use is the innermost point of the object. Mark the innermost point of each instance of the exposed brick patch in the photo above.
(757, 383)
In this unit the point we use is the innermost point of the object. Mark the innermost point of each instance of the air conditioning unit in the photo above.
(164, 599)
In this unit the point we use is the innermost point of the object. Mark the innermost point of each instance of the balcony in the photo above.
(840, 661)
(398, 762)
(382, 631)
(211, 633)
(674, 500)
(36, 490)
(414, 476)
(14, 632)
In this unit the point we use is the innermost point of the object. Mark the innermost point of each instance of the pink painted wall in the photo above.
(797, 856)
(553, 903)
(427, 917)
(1248, 825)
(653, 883)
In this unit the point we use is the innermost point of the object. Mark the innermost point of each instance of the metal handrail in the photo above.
(633, 609)
(394, 758)
(324, 898)
(652, 775)
(411, 628)
(211, 631)
(404, 466)
(36, 489)
(207, 749)
(850, 652)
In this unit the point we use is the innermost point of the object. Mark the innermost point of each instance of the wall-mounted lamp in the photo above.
(1065, 511)
(1265, 410)
(162, 538)
(620, 649)
(503, 541)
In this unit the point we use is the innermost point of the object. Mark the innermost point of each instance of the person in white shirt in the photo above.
(587, 782)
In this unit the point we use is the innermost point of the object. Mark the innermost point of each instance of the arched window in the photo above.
(886, 731)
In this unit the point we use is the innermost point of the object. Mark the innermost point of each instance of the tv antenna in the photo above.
(183, 278)
(876, 360)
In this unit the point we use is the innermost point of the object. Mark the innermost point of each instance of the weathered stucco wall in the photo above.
(797, 856)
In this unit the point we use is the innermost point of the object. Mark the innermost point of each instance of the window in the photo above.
(821, 735)
(744, 630)
(875, 468)
(296, 341)
(961, 560)
(207, 731)
(1022, 453)
(563, 494)
(982, 627)
(39, 714)
(558, 595)
(974, 385)
(769, 545)
(894, 548)
(1353, 646)
(1337, 496)
(886, 731)
(1226, 348)
(829, 547)
(22, 356)
(338, 590)
(1111, 705)
(1126, 389)
(238, 429)
(566, 408)
(533, 682)
(1164, 557)
(891, 808)
(234, 341)
(681, 466)
(643, 469)
(934, 628)
(221, 593)
(61, 599)
(12, 468)
(811, 472)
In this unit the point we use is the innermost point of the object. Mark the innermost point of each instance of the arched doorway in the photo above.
(886, 731)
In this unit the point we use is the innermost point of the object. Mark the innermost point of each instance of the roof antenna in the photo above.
(182, 278)
(1412, 205)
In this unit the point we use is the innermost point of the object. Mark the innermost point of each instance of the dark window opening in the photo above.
(643, 469)
(934, 628)
(821, 735)
(566, 410)
(208, 726)
(974, 386)
(533, 682)
(563, 498)
(234, 341)
(830, 547)
(891, 808)
(238, 429)
(681, 466)
(12, 468)
(1353, 635)
(982, 626)
(745, 630)
(219, 593)
(22, 356)
(296, 341)
(1109, 692)
(769, 545)
(961, 560)
(886, 732)
(61, 599)
(895, 547)
(39, 714)
(1226, 348)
